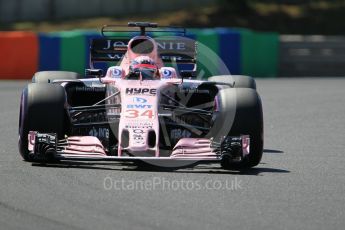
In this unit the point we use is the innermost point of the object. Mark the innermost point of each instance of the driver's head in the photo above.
(145, 66)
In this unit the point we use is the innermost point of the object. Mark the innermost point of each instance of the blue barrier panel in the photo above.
(230, 49)
(49, 52)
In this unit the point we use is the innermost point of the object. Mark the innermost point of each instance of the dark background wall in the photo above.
(38, 10)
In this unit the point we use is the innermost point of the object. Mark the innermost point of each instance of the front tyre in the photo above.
(238, 81)
(42, 110)
(50, 76)
(240, 112)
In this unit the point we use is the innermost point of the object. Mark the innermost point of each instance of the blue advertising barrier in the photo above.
(49, 52)
(230, 51)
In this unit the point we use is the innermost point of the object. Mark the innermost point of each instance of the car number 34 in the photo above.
(133, 113)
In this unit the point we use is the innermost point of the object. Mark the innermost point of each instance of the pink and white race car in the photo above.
(146, 108)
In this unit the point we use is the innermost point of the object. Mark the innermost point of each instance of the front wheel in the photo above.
(42, 110)
(240, 113)
(50, 76)
(238, 81)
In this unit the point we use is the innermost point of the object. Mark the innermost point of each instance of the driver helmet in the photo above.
(145, 66)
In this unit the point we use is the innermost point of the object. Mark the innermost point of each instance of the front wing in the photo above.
(43, 146)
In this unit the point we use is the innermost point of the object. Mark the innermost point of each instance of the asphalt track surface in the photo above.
(300, 183)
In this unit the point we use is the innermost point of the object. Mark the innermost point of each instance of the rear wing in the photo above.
(145, 28)
(171, 49)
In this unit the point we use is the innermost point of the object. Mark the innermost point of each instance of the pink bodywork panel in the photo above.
(245, 144)
(139, 115)
(88, 144)
(31, 140)
(193, 147)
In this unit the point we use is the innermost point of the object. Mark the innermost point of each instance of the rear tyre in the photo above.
(50, 76)
(239, 81)
(42, 110)
(241, 109)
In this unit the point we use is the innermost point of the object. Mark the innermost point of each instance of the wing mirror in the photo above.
(189, 74)
(94, 73)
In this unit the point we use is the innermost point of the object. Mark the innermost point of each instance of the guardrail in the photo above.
(242, 51)
(311, 55)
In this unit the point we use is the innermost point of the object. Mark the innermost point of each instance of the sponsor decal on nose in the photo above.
(139, 100)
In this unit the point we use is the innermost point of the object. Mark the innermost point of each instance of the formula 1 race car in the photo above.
(144, 109)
